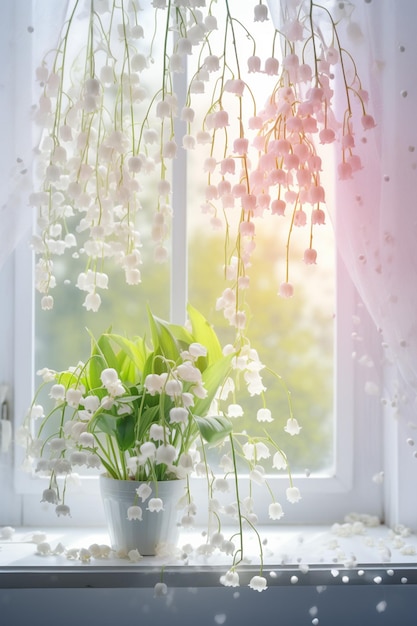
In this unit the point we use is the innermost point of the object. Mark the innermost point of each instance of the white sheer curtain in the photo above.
(31, 28)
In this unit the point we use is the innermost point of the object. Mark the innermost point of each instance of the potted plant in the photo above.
(138, 408)
(145, 410)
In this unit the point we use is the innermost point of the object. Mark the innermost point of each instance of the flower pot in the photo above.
(154, 528)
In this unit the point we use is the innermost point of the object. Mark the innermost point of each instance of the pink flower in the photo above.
(310, 124)
(316, 194)
(271, 66)
(368, 122)
(304, 180)
(348, 141)
(227, 166)
(279, 147)
(327, 135)
(211, 192)
(318, 217)
(304, 73)
(210, 164)
(344, 171)
(310, 256)
(235, 86)
(221, 119)
(277, 177)
(286, 290)
(247, 229)
(240, 145)
(278, 207)
(254, 64)
(316, 95)
(249, 202)
(255, 122)
(300, 218)
(224, 188)
(239, 190)
(294, 124)
(291, 161)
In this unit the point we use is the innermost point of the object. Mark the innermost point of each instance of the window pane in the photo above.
(293, 337)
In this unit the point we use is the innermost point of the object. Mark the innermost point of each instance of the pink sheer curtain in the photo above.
(375, 220)
(376, 211)
(376, 230)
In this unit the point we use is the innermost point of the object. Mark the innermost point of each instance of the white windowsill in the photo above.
(315, 555)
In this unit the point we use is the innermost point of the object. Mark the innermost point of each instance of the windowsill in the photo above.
(303, 555)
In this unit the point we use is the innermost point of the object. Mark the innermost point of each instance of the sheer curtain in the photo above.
(376, 211)
(30, 28)
(376, 226)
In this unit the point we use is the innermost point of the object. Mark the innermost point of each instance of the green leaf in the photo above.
(103, 423)
(149, 416)
(121, 428)
(213, 429)
(106, 349)
(125, 432)
(101, 357)
(163, 340)
(213, 378)
(133, 351)
(204, 333)
(181, 334)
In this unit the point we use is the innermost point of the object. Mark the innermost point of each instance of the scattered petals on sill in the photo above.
(134, 556)
(160, 589)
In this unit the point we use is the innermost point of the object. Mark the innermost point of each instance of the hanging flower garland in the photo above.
(109, 135)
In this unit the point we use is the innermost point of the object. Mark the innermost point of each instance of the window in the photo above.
(342, 483)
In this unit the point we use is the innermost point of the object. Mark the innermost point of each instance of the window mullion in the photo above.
(179, 262)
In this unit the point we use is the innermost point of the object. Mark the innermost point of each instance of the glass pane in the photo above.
(294, 337)
(61, 337)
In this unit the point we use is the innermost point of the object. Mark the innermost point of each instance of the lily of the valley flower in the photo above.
(134, 513)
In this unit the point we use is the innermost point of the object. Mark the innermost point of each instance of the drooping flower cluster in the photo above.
(259, 109)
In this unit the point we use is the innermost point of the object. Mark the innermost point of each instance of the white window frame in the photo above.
(324, 498)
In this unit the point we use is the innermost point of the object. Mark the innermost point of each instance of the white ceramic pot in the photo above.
(154, 528)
